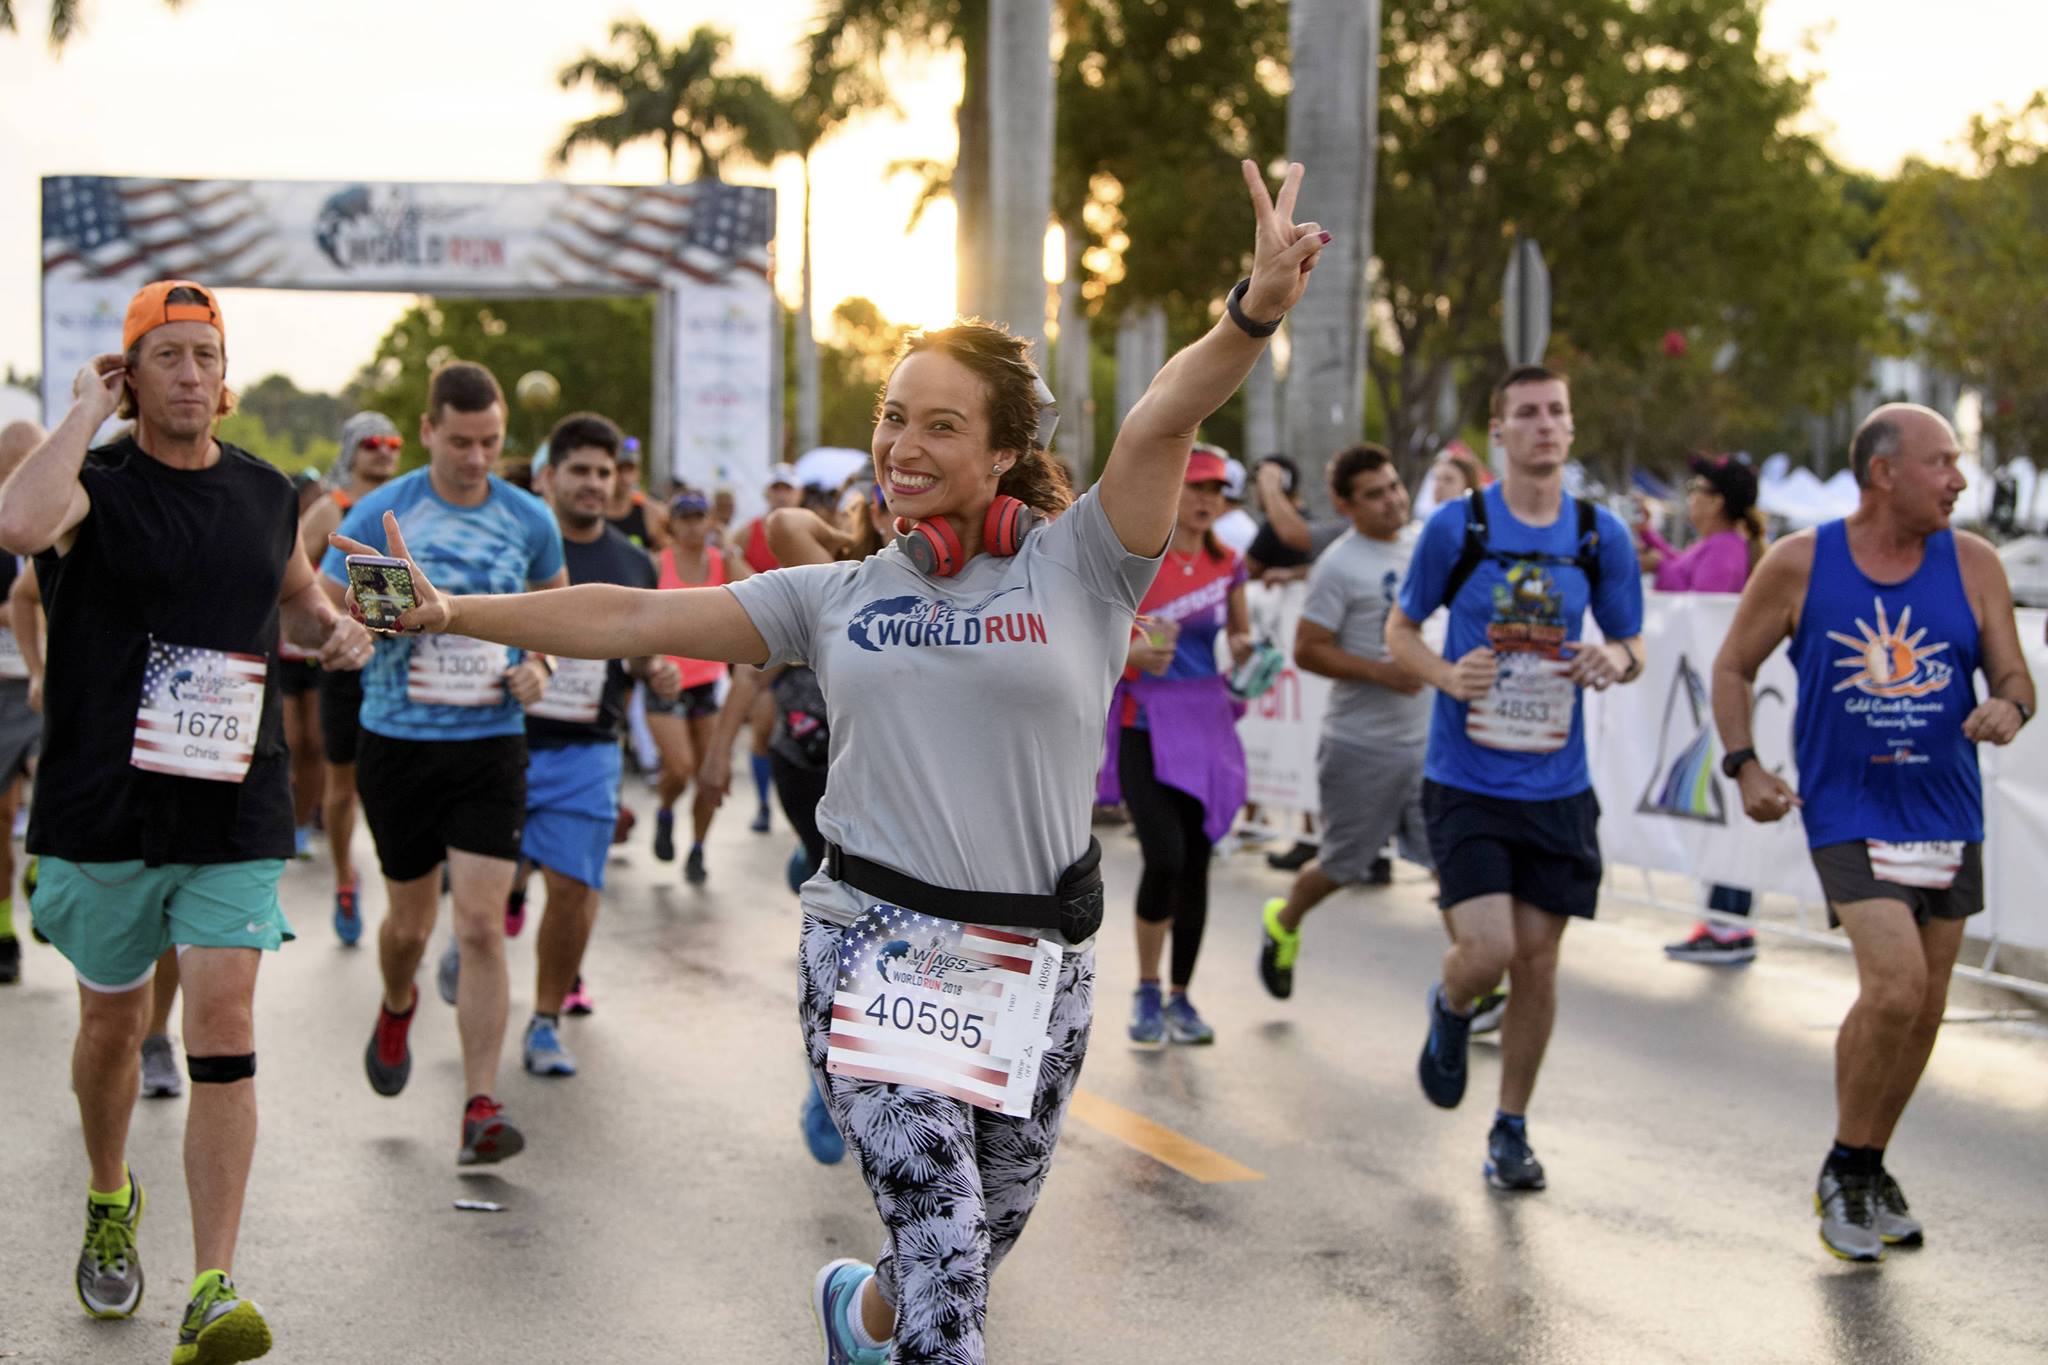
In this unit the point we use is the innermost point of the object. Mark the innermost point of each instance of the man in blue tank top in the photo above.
(1507, 796)
(1890, 616)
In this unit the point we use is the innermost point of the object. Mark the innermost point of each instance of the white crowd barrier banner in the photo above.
(1656, 764)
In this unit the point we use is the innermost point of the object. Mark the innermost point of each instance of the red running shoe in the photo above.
(515, 913)
(487, 1135)
(388, 1059)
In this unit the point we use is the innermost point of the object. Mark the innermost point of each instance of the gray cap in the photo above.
(354, 432)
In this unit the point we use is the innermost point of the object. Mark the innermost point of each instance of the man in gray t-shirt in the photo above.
(1376, 730)
(983, 778)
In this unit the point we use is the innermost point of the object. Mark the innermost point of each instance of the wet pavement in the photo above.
(666, 1209)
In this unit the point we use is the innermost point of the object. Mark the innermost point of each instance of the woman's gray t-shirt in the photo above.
(967, 712)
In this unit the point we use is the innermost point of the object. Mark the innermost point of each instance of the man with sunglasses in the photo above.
(630, 511)
(370, 451)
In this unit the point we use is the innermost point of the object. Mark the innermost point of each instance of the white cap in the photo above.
(783, 473)
(1233, 479)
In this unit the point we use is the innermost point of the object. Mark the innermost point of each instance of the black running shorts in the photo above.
(1845, 878)
(297, 677)
(1546, 853)
(424, 797)
(341, 709)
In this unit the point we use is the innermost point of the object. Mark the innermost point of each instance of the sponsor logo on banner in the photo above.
(388, 225)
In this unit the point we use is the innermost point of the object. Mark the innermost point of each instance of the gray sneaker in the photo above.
(1847, 1205)
(109, 1279)
(160, 1078)
(448, 976)
(1895, 1223)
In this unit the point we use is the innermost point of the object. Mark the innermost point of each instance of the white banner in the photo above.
(723, 343)
(1657, 764)
(104, 236)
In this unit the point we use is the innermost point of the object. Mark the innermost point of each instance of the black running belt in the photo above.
(1075, 909)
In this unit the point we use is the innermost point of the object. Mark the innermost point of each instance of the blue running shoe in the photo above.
(448, 976)
(1510, 1164)
(1148, 1017)
(798, 869)
(302, 842)
(821, 1135)
(834, 1294)
(1442, 1065)
(760, 825)
(1183, 1025)
(348, 916)
(543, 1051)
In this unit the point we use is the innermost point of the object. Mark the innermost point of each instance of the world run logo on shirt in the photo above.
(914, 622)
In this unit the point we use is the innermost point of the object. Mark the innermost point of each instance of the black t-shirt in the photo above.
(194, 558)
(611, 558)
(633, 525)
(1275, 553)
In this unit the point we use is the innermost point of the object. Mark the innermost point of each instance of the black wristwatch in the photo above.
(1233, 306)
(1731, 766)
(2026, 712)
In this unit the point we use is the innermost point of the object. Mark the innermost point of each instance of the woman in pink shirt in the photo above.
(1720, 501)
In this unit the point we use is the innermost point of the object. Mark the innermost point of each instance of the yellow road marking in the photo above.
(1160, 1143)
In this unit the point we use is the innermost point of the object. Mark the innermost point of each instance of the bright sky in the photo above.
(465, 90)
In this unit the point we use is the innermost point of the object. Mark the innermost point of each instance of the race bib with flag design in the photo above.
(960, 1009)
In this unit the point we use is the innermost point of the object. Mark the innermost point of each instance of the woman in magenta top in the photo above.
(1720, 501)
(1173, 756)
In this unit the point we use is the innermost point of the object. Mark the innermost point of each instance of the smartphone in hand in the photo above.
(381, 590)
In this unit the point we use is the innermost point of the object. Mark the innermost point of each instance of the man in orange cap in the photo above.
(169, 563)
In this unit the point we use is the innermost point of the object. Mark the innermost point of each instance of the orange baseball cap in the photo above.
(151, 308)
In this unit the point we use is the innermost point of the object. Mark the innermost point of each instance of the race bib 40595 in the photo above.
(961, 1009)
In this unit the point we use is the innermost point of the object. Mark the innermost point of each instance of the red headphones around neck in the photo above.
(934, 549)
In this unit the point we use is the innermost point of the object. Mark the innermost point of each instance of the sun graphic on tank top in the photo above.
(1889, 661)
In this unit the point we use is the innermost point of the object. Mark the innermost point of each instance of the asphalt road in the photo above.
(666, 1209)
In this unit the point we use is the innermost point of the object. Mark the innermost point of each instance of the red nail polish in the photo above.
(1325, 236)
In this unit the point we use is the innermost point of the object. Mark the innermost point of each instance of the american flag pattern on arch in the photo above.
(100, 227)
(396, 235)
(199, 713)
(994, 971)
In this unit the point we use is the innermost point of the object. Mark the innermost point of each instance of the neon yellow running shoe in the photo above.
(220, 1326)
(1277, 952)
(109, 1280)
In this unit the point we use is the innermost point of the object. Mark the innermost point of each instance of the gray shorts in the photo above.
(21, 730)
(1368, 795)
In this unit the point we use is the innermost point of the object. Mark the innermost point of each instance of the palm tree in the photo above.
(1020, 164)
(860, 31)
(1332, 128)
(66, 18)
(676, 95)
(832, 92)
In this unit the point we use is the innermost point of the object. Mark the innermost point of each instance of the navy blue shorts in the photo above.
(1546, 853)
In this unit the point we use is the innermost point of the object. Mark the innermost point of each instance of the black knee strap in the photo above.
(220, 1070)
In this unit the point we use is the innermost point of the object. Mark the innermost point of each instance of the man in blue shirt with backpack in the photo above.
(1507, 795)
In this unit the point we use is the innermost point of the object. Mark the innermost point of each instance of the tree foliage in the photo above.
(853, 364)
(601, 352)
(1973, 247)
(1156, 105)
(1647, 146)
(676, 95)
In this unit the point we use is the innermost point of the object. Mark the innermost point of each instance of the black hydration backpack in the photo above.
(1476, 551)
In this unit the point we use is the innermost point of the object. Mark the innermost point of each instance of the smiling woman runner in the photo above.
(947, 965)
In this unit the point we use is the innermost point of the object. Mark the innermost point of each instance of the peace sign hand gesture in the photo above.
(1284, 252)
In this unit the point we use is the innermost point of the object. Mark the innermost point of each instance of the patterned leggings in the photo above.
(954, 1183)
